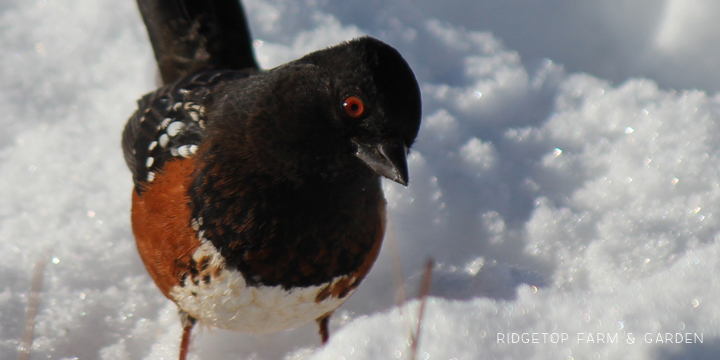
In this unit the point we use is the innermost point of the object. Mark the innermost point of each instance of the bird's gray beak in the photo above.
(386, 157)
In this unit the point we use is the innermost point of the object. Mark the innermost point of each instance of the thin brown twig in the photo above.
(32, 309)
(424, 290)
(400, 295)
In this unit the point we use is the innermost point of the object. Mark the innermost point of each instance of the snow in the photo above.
(565, 180)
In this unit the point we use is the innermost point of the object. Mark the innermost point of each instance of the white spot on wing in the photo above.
(149, 162)
(184, 151)
(152, 146)
(151, 176)
(174, 128)
(165, 123)
(163, 140)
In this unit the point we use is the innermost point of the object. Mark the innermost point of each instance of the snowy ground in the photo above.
(579, 200)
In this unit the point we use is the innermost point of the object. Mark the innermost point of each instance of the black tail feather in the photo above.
(193, 35)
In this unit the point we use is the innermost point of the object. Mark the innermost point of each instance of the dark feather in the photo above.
(189, 36)
(182, 102)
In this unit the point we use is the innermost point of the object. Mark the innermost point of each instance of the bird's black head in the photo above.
(376, 102)
(335, 111)
(371, 76)
(359, 98)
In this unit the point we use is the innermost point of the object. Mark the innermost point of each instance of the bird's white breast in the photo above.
(227, 302)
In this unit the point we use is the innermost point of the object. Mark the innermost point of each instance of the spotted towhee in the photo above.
(257, 204)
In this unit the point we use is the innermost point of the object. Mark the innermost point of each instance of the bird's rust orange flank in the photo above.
(160, 221)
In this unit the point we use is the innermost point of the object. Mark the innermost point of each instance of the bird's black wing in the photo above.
(170, 122)
(189, 36)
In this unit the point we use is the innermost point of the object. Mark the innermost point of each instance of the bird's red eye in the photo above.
(354, 107)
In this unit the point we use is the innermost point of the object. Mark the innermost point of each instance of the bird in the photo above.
(257, 203)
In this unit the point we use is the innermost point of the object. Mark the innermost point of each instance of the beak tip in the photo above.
(401, 179)
(402, 182)
(387, 158)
